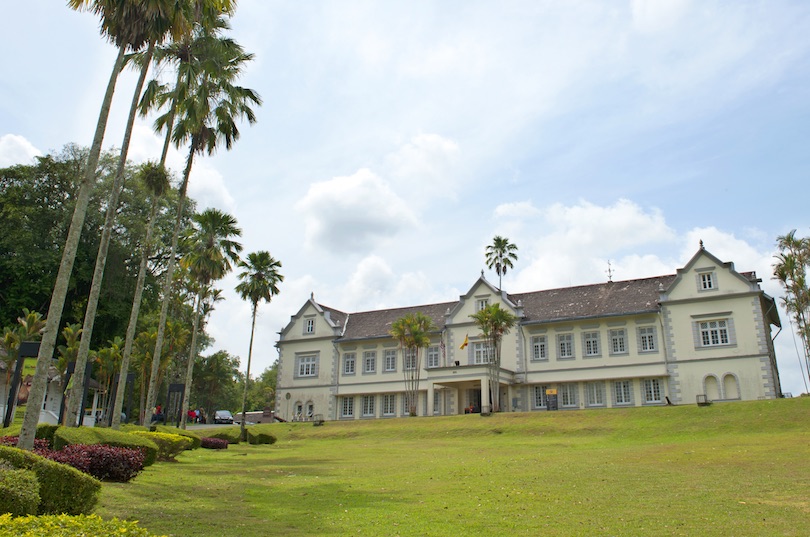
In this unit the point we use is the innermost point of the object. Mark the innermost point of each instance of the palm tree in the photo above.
(156, 179)
(412, 331)
(791, 271)
(500, 255)
(129, 25)
(29, 328)
(205, 115)
(260, 279)
(494, 322)
(211, 254)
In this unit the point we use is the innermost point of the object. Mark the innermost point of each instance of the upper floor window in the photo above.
(539, 350)
(481, 353)
(565, 346)
(714, 333)
(390, 360)
(349, 363)
(590, 341)
(646, 339)
(618, 341)
(410, 359)
(369, 362)
(433, 356)
(307, 366)
(706, 281)
(481, 304)
(309, 326)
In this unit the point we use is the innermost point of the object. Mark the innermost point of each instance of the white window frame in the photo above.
(591, 344)
(618, 341)
(349, 363)
(707, 281)
(714, 333)
(481, 354)
(481, 304)
(433, 357)
(347, 407)
(309, 326)
(369, 402)
(307, 366)
(369, 362)
(540, 398)
(565, 347)
(595, 393)
(389, 404)
(568, 394)
(653, 391)
(409, 358)
(647, 341)
(539, 349)
(622, 392)
(390, 360)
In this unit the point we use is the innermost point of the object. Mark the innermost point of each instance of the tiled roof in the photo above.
(338, 317)
(378, 323)
(599, 300)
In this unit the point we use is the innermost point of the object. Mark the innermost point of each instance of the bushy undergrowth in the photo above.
(65, 436)
(19, 490)
(213, 443)
(107, 463)
(62, 488)
(11, 441)
(169, 445)
(68, 526)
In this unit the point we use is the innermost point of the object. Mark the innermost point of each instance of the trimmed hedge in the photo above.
(195, 438)
(19, 491)
(62, 489)
(169, 445)
(91, 435)
(231, 434)
(260, 434)
(214, 443)
(69, 526)
(107, 463)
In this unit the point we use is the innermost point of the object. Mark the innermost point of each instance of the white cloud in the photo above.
(520, 209)
(15, 149)
(207, 186)
(353, 213)
(423, 170)
(650, 16)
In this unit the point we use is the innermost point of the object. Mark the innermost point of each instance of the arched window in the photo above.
(711, 387)
(731, 386)
(310, 410)
(298, 415)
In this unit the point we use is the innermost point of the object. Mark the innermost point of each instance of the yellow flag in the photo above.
(466, 342)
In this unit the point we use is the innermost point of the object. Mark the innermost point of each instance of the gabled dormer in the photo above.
(314, 320)
(705, 276)
(481, 295)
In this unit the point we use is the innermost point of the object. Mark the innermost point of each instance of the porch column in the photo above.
(430, 395)
(486, 404)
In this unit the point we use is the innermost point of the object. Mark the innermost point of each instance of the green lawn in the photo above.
(736, 469)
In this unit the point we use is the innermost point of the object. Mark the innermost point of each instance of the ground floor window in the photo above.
(568, 395)
(347, 410)
(622, 392)
(652, 391)
(596, 393)
(540, 396)
(389, 404)
(368, 405)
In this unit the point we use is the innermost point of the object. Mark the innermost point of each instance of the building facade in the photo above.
(703, 332)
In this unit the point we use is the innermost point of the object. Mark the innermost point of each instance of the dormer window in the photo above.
(706, 281)
(309, 326)
(481, 304)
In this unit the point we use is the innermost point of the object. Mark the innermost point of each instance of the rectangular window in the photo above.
(433, 356)
(652, 391)
(568, 395)
(713, 333)
(596, 393)
(349, 363)
(410, 359)
(539, 352)
(540, 396)
(390, 359)
(481, 353)
(591, 343)
(368, 405)
(646, 339)
(481, 304)
(309, 326)
(622, 392)
(406, 405)
(307, 366)
(347, 408)
(389, 404)
(436, 403)
(618, 341)
(565, 346)
(369, 362)
(706, 281)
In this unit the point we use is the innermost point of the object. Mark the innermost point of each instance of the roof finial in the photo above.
(610, 272)
(312, 295)
(482, 273)
(701, 244)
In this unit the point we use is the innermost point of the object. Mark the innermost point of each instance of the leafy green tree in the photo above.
(262, 390)
(790, 269)
(494, 322)
(259, 282)
(29, 328)
(412, 331)
(216, 383)
(500, 254)
(212, 252)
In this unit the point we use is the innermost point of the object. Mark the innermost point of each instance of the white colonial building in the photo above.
(704, 332)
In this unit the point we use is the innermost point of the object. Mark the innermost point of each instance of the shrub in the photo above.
(19, 491)
(231, 434)
(213, 443)
(107, 463)
(69, 526)
(169, 445)
(195, 438)
(11, 441)
(46, 432)
(259, 435)
(62, 489)
(90, 435)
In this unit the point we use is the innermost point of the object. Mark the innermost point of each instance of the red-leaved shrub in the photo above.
(11, 441)
(107, 463)
(213, 443)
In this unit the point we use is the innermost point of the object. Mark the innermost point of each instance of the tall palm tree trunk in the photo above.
(190, 365)
(37, 394)
(247, 373)
(75, 402)
(167, 284)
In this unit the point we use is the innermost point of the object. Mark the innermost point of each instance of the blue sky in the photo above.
(397, 138)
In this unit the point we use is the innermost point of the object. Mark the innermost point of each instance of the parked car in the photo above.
(223, 416)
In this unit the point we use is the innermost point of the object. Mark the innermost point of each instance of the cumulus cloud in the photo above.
(207, 186)
(353, 213)
(519, 210)
(423, 169)
(15, 149)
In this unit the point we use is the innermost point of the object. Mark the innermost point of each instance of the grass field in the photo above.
(736, 469)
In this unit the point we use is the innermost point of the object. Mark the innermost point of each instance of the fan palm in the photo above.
(500, 255)
(494, 322)
(412, 331)
(212, 252)
(203, 114)
(260, 279)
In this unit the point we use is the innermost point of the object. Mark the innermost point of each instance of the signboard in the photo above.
(551, 399)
